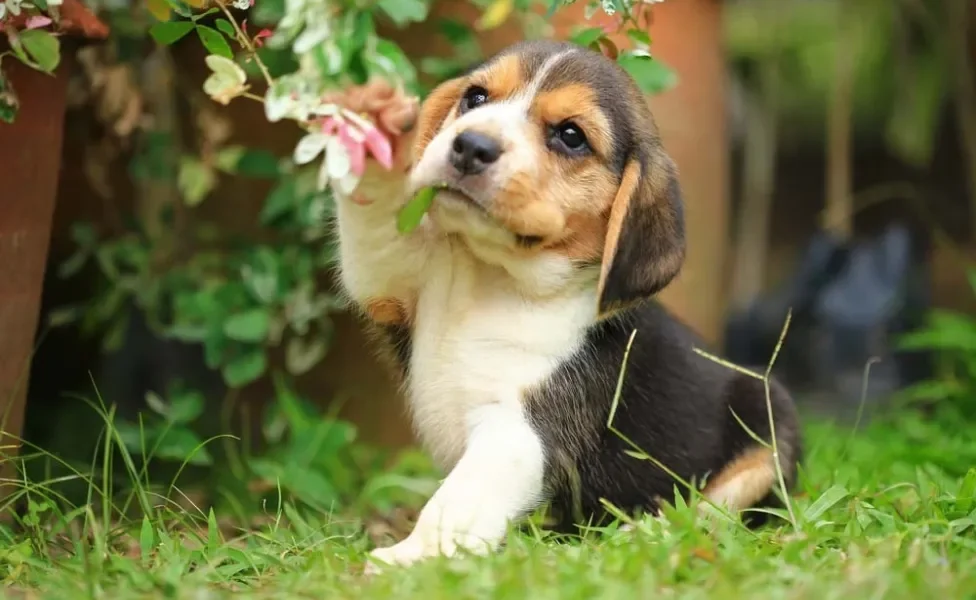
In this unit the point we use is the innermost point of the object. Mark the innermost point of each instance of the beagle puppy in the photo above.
(508, 311)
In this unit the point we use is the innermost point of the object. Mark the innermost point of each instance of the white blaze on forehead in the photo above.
(506, 120)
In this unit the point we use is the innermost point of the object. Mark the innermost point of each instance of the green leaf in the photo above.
(825, 502)
(966, 497)
(43, 47)
(169, 32)
(639, 36)
(403, 12)
(587, 36)
(213, 532)
(280, 201)
(205, 13)
(258, 163)
(214, 41)
(301, 356)
(947, 330)
(228, 29)
(195, 180)
(147, 539)
(248, 326)
(441, 68)
(8, 100)
(246, 368)
(651, 75)
(156, 404)
(180, 8)
(456, 32)
(181, 444)
(413, 211)
(184, 407)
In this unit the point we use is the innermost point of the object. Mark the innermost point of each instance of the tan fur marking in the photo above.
(587, 237)
(578, 103)
(502, 78)
(435, 110)
(387, 311)
(625, 195)
(745, 481)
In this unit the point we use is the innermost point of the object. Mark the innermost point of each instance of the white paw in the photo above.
(407, 552)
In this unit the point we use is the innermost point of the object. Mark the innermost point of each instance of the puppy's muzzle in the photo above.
(473, 152)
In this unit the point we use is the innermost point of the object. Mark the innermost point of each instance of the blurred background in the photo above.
(165, 265)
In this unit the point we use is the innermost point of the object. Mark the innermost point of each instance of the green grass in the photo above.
(886, 512)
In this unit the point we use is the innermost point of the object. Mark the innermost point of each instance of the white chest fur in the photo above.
(477, 340)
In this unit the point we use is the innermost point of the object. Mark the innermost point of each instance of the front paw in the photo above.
(405, 553)
(393, 112)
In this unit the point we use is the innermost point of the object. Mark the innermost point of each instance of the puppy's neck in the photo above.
(540, 275)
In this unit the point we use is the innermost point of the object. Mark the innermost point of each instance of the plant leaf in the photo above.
(228, 29)
(413, 211)
(300, 356)
(496, 14)
(246, 368)
(214, 41)
(213, 532)
(159, 9)
(180, 8)
(147, 539)
(195, 180)
(8, 100)
(258, 163)
(639, 36)
(183, 445)
(184, 407)
(169, 32)
(651, 75)
(403, 12)
(587, 36)
(825, 502)
(248, 326)
(43, 47)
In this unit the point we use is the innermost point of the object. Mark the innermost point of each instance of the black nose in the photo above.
(472, 152)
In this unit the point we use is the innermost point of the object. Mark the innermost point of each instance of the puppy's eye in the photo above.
(473, 98)
(569, 138)
(572, 136)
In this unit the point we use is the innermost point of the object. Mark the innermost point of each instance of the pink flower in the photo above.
(261, 35)
(37, 22)
(612, 25)
(355, 148)
(329, 125)
(379, 147)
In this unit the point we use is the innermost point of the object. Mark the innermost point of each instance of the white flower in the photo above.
(242, 4)
(227, 81)
(11, 6)
(310, 146)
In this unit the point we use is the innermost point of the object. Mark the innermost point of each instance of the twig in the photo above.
(246, 42)
(772, 424)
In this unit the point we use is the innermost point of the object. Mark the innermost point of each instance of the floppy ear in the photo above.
(434, 111)
(645, 244)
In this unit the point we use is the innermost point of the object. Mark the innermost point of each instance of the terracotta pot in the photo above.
(30, 158)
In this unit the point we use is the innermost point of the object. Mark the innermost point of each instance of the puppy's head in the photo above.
(549, 147)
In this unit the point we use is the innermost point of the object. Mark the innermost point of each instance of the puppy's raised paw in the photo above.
(402, 554)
